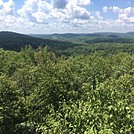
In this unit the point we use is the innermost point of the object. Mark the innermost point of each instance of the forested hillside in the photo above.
(102, 48)
(90, 37)
(16, 41)
(84, 94)
(74, 45)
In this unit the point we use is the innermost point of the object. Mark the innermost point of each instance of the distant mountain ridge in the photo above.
(68, 35)
(15, 41)
(90, 37)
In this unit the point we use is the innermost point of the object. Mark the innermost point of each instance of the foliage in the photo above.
(104, 48)
(16, 41)
(85, 94)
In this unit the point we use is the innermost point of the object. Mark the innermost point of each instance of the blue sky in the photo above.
(66, 16)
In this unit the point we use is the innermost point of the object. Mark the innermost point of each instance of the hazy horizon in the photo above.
(68, 33)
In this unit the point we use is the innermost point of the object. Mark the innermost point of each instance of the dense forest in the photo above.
(67, 83)
(90, 37)
(16, 41)
(104, 49)
(84, 90)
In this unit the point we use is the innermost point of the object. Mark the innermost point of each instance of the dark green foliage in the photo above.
(63, 43)
(104, 48)
(91, 37)
(110, 39)
(15, 41)
(85, 94)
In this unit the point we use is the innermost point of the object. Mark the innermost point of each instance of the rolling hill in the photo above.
(71, 44)
(15, 41)
(90, 37)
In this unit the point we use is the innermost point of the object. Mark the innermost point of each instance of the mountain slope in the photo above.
(90, 37)
(15, 41)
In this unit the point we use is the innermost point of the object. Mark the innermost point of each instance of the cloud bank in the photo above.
(43, 16)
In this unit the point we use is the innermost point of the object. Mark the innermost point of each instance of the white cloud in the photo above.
(126, 14)
(59, 14)
(7, 15)
(84, 2)
(43, 16)
(41, 11)
(115, 9)
(59, 4)
(105, 9)
(27, 9)
(7, 8)
(74, 3)
(40, 17)
(44, 6)
(131, 19)
(81, 13)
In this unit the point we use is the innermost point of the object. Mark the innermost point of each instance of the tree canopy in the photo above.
(84, 94)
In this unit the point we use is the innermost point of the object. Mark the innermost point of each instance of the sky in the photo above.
(66, 16)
